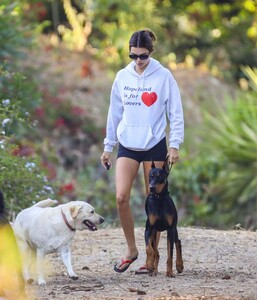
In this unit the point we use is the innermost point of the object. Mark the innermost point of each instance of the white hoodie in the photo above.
(138, 108)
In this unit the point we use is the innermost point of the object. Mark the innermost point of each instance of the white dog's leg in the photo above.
(26, 253)
(28, 261)
(66, 258)
(40, 266)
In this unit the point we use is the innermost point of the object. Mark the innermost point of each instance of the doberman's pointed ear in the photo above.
(153, 165)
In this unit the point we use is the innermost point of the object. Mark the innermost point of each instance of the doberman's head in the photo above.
(158, 178)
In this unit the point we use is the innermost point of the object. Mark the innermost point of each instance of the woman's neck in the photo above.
(140, 70)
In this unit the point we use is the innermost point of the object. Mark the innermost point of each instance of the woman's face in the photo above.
(141, 56)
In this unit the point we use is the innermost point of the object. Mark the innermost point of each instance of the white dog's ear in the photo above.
(74, 210)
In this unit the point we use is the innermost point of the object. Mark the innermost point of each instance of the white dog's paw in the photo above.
(74, 277)
(41, 282)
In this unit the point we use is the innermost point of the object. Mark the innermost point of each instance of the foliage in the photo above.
(233, 140)
(217, 33)
(252, 76)
(190, 186)
(76, 37)
(113, 24)
(21, 96)
(62, 117)
(12, 31)
(221, 35)
(22, 180)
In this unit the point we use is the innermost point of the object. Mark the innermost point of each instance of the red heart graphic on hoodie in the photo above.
(149, 98)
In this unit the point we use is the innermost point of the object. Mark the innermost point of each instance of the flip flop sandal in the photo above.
(142, 270)
(124, 261)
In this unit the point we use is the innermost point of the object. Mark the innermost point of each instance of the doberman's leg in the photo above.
(170, 245)
(150, 255)
(156, 253)
(179, 260)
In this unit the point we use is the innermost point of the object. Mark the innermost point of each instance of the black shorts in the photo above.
(157, 153)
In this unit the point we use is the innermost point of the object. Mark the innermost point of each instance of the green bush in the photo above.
(12, 31)
(216, 184)
(190, 186)
(234, 141)
(22, 180)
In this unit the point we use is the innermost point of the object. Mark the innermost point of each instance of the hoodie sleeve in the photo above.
(113, 119)
(175, 116)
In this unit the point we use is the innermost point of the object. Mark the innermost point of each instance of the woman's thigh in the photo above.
(126, 171)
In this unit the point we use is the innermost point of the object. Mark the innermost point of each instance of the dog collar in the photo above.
(67, 223)
(158, 195)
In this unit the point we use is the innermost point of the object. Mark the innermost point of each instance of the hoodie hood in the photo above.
(153, 66)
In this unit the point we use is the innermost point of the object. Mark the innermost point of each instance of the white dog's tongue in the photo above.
(91, 226)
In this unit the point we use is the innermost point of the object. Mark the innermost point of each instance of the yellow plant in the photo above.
(11, 280)
(81, 26)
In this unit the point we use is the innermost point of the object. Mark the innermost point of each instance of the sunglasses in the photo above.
(141, 56)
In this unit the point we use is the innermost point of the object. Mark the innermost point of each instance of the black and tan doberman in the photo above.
(161, 215)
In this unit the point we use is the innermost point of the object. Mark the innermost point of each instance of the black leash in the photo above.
(170, 164)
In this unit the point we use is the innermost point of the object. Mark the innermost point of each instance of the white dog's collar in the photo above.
(67, 223)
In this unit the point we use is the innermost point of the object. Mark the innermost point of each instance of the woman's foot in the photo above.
(142, 270)
(124, 264)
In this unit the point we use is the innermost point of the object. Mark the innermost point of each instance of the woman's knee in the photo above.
(122, 200)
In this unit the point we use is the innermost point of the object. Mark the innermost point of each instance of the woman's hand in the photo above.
(105, 160)
(173, 155)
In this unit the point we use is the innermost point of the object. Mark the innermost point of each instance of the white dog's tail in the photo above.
(46, 203)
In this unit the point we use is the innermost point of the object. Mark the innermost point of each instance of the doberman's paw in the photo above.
(180, 266)
(171, 275)
(152, 273)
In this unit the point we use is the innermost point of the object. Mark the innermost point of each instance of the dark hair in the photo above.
(142, 39)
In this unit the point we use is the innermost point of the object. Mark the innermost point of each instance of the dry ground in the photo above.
(218, 265)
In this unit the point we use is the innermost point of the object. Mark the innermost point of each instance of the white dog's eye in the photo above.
(92, 212)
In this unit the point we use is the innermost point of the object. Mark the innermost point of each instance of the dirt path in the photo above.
(218, 265)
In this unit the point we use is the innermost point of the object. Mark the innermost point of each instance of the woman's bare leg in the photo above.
(126, 171)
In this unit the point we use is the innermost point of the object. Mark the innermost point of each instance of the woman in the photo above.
(143, 96)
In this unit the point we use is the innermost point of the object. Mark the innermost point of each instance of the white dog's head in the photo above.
(81, 215)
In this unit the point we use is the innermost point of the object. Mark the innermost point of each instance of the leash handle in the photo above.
(107, 166)
(170, 166)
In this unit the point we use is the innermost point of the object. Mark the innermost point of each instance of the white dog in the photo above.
(46, 229)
